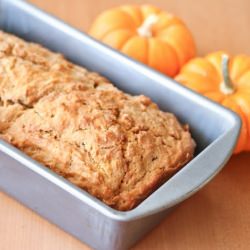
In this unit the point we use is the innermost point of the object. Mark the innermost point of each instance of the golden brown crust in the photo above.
(117, 147)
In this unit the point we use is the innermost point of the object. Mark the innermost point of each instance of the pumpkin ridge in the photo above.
(125, 40)
(145, 10)
(198, 63)
(247, 121)
(170, 26)
(230, 103)
(211, 95)
(183, 54)
(240, 59)
(123, 44)
(125, 50)
(245, 108)
(106, 14)
(184, 79)
(160, 53)
(175, 21)
(108, 32)
(125, 10)
(218, 74)
(174, 50)
(238, 79)
(215, 60)
(243, 75)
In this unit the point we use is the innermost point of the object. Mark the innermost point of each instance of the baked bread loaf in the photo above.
(117, 147)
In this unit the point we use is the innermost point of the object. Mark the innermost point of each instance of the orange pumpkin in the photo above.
(226, 80)
(147, 34)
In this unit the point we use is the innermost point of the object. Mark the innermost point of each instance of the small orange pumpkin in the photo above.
(226, 80)
(147, 34)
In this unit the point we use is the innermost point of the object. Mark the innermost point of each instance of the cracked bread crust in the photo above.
(117, 147)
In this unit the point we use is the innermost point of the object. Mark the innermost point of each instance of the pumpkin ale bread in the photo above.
(115, 146)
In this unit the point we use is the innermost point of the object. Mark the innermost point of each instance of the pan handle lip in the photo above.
(201, 170)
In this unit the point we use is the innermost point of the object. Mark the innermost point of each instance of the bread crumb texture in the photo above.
(117, 147)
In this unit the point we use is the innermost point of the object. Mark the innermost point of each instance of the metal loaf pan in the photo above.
(214, 128)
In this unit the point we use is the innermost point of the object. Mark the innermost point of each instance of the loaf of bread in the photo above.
(115, 146)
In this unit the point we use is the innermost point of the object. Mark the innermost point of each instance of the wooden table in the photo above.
(218, 216)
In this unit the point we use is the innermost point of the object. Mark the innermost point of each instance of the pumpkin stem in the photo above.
(145, 29)
(226, 86)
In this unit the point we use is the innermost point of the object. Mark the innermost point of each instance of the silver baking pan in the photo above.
(214, 128)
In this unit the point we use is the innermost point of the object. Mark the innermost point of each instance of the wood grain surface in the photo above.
(218, 216)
